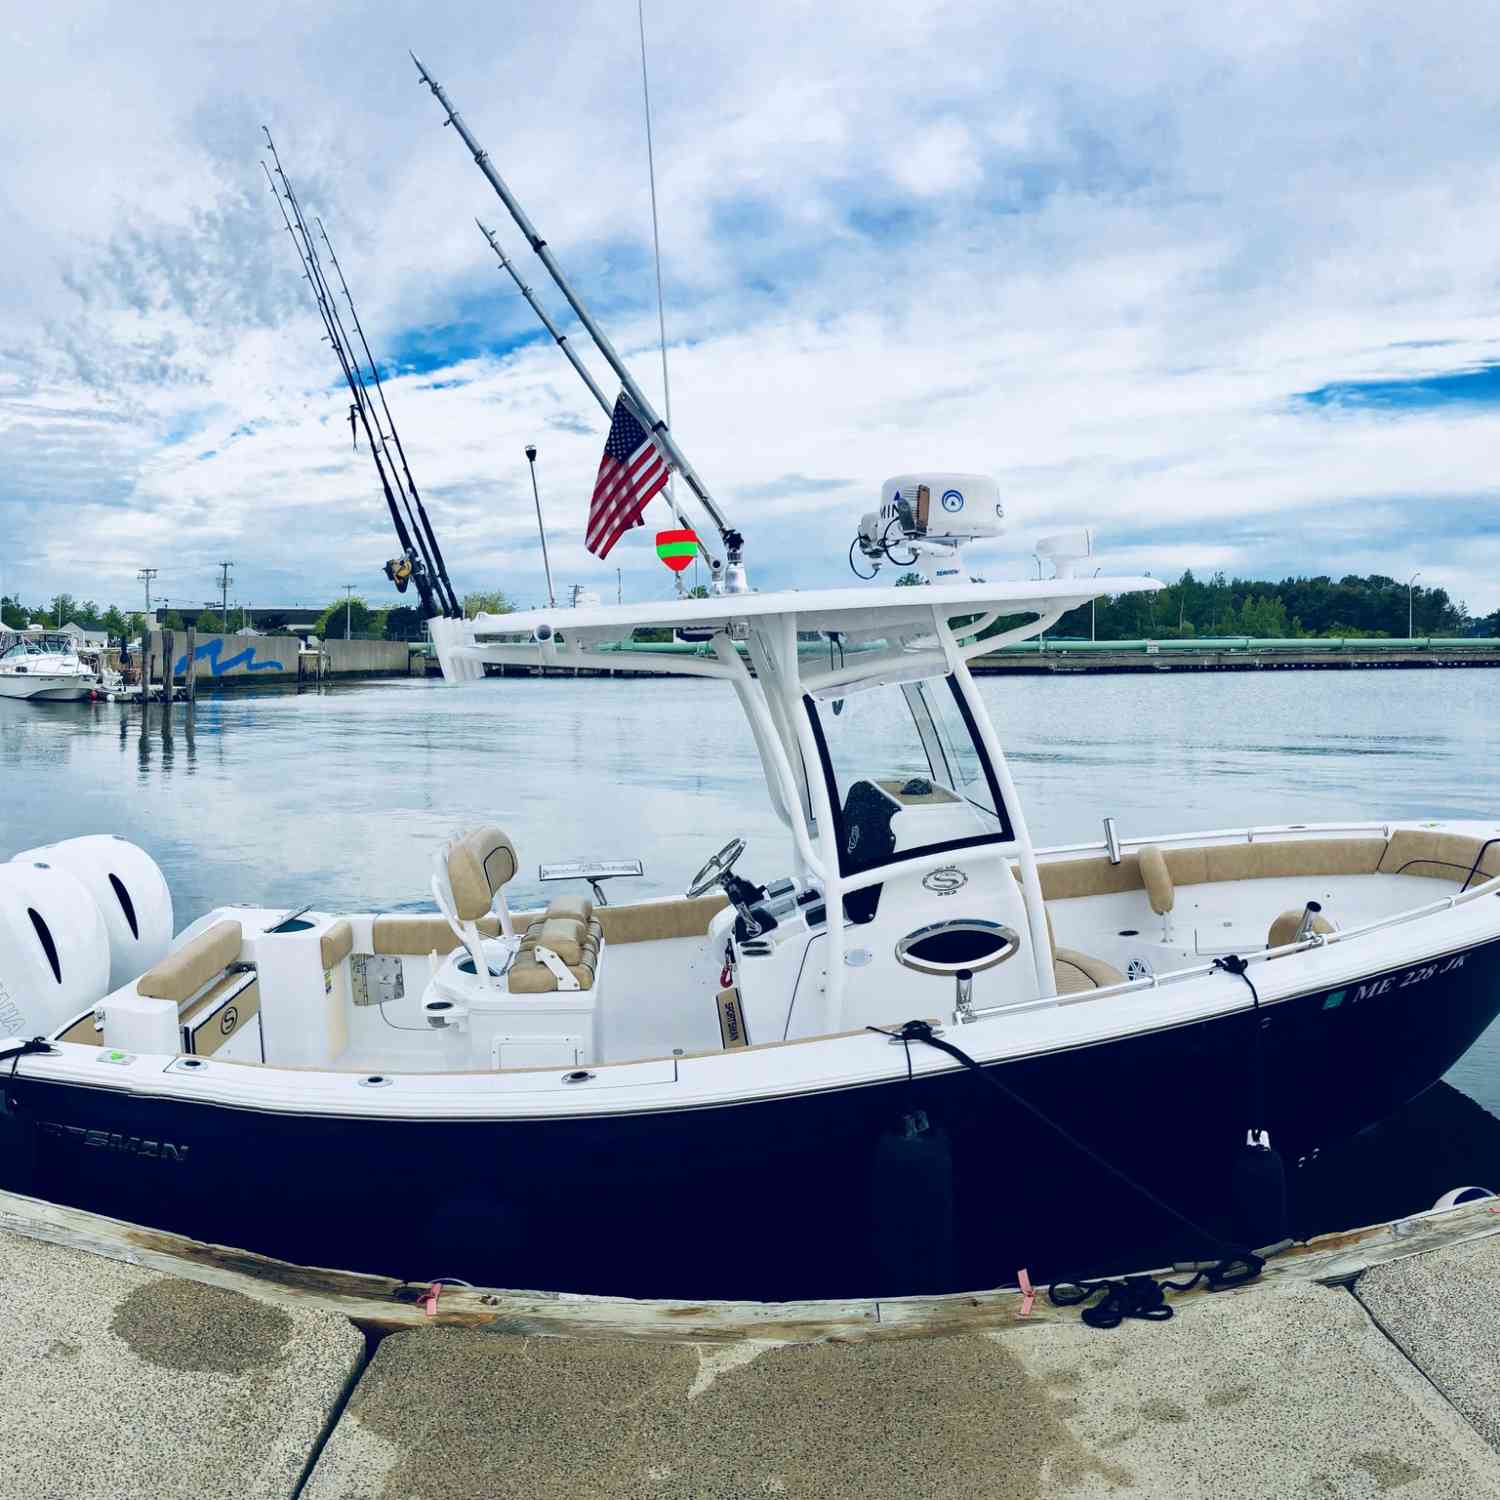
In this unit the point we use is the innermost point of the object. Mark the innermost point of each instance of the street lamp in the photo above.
(348, 607)
(1092, 603)
(1409, 583)
(541, 530)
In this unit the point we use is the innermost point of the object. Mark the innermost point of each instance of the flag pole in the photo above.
(731, 578)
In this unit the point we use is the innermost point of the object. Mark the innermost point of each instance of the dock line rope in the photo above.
(1130, 1296)
(1232, 963)
(14, 1055)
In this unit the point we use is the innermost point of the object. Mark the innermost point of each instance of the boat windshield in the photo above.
(912, 749)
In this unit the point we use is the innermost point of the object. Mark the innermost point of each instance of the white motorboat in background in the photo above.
(47, 670)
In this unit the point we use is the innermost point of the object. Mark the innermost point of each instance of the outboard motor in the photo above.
(129, 891)
(54, 949)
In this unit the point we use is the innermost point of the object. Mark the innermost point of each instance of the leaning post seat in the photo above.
(559, 952)
(535, 1003)
(469, 878)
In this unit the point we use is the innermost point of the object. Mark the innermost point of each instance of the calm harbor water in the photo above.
(340, 796)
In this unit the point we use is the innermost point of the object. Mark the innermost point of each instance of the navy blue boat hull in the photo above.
(788, 1199)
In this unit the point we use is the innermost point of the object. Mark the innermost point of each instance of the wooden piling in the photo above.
(192, 664)
(168, 677)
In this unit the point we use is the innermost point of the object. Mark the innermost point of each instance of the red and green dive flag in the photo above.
(677, 548)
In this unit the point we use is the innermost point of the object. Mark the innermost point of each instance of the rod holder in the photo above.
(964, 998)
(1310, 914)
(1112, 841)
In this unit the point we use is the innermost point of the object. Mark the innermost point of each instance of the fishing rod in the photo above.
(419, 559)
(561, 339)
(445, 585)
(732, 578)
(410, 566)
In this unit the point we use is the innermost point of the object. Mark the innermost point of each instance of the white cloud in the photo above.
(1096, 251)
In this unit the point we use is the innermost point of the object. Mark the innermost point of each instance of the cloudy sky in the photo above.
(1221, 281)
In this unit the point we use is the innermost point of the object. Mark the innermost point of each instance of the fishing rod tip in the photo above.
(418, 61)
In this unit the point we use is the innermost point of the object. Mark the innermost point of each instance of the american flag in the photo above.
(630, 473)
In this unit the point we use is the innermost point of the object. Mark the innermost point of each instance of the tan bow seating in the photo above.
(1265, 859)
(1440, 856)
(1075, 972)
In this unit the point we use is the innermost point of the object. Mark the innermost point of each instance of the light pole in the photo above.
(1092, 603)
(619, 585)
(224, 568)
(348, 607)
(541, 530)
(1409, 583)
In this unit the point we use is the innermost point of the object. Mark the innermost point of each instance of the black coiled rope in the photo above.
(1130, 1296)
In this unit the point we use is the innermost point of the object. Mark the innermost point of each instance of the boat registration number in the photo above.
(1419, 975)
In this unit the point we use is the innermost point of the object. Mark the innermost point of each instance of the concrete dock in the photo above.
(1371, 1366)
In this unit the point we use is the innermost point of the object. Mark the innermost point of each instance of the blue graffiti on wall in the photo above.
(211, 651)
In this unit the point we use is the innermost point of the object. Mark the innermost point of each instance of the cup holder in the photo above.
(466, 966)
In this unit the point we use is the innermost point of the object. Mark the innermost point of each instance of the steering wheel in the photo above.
(718, 866)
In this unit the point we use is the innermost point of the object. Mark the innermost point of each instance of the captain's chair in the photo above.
(468, 881)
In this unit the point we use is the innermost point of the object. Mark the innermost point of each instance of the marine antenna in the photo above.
(731, 577)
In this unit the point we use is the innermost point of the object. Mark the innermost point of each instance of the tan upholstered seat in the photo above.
(568, 938)
(660, 921)
(1077, 972)
(1440, 856)
(528, 975)
(1074, 972)
(479, 865)
(575, 942)
(1157, 879)
(579, 908)
(1284, 928)
(336, 944)
(183, 972)
(1265, 859)
(417, 936)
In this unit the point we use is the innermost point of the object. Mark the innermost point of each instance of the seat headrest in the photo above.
(479, 863)
(1157, 879)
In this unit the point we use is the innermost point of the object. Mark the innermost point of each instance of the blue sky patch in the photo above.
(1478, 387)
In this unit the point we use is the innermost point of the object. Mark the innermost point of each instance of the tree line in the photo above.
(401, 622)
(1321, 607)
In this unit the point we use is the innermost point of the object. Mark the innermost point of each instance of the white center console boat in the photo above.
(703, 1096)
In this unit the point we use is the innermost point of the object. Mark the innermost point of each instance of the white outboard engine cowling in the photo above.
(130, 892)
(54, 949)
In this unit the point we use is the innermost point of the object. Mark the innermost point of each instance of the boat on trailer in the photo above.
(709, 1095)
